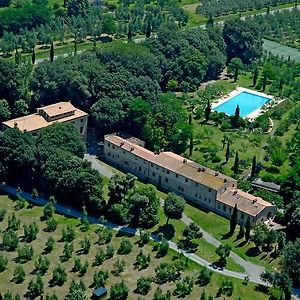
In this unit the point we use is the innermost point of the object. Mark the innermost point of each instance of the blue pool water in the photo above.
(247, 102)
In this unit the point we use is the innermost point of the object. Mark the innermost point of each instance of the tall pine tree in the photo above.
(33, 56)
(227, 155)
(207, 111)
(253, 168)
(248, 229)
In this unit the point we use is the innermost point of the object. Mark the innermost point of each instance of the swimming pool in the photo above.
(247, 101)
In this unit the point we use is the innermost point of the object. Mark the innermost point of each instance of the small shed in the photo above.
(100, 292)
(269, 186)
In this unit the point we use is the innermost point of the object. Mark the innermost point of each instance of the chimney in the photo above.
(184, 160)
(234, 192)
(121, 144)
(199, 169)
(225, 180)
(216, 173)
(131, 149)
(254, 201)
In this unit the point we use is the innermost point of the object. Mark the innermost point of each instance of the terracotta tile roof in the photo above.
(174, 163)
(35, 121)
(58, 108)
(246, 202)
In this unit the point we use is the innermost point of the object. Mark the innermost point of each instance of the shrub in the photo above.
(125, 246)
(36, 288)
(165, 272)
(51, 224)
(104, 235)
(163, 248)
(13, 223)
(100, 278)
(204, 276)
(19, 274)
(42, 265)
(119, 267)
(10, 240)
(3, 263)
(119, 291)
(99, 257)
(142, 260)
(110, 251)
(49, 244)
(30, 232)
(144, 237)
(184, 287)
(59, 276)
(143, 285)
(83, 269)
(2, 214)
(25, 253)
(85, 245)
(226, 288)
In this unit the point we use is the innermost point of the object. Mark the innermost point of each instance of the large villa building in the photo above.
(60, 112)
(200, 185)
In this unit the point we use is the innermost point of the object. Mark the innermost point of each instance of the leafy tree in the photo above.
(173, 207)
(226, 288)
(166, 272)
(184, 287)
(191, 233)
(125, 246)
(85, 245)
(4, 110)
(77, 265)
(239, 35)
(59, 276)
(51, 297)
(110, 251)
(159, 295)
(68, 234)
(104, 235)
(51, 224)
(83, 268)
(143, 285)
(235, 67)
(76, 291)
(13, 223)
(3, 263)
(78, 7)
(48, 210)
(119, 267)
(67, 251)
(49, 244)
(291, 261)
(223, 251)
(233, 219)
(10, 240)
(25, 253)
(163, 248)
(19, 274)
(36, 288)
(142, 260)
(42, 265)
(144, 237)
(100, 278)
(204, 276)
(85, 223)
(99, 257)
(119, 291)
(30, 232)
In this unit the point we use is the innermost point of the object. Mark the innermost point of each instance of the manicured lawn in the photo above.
(218, 227)
(130, 275)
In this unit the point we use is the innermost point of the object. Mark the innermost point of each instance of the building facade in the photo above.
(62, 112)
(200, 185)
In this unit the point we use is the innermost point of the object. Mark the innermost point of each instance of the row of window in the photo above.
(224, 208)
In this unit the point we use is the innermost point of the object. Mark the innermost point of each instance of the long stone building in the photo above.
(60, 112)
(200, 185)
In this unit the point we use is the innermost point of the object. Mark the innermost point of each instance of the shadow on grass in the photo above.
(252, 252)
(261, 288)
(168, 231)
(227, 235)
(241, 244)
(124, 234)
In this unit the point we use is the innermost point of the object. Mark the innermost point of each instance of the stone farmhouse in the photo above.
(60, 112)
(198, 184)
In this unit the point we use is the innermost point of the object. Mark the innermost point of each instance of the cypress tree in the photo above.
(33, 56)
(75, 47)
(255, 75)
(268, 9)
(248, 228)
(227, 152)
(94, 45)
(237, 116)
(191, 145)
(17, 57)
(203, 296)
(129, 34)
(148, 29)
(207, 111)
(52, 52)
(233, 219)
(253, 169)
(241, 233)
(236, 163)
(190, 119)
(265, 78)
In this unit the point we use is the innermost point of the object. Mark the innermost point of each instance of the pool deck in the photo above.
(254, 114)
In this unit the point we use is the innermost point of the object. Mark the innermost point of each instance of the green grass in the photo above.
(130, 275)
(218, 227)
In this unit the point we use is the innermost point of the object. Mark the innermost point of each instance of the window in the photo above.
(126, 163)
(196, 183)
(81, 129)
(186, 180)
(152, 165)
(113, 147)
(168, 172)
(242, 216)
(196, 195)
(157, 168)
(81, 120)
(153, 174)
(144, 162)
(108, 144)
(224, 207)
(140, 169)
(233, 185)
(180, 188)
(208, 200)
(209, 189)
(176, 175)
(166, 180)
(123, 151)
(205, 199)
(219, 206)
(108, 153)
(230, 209)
